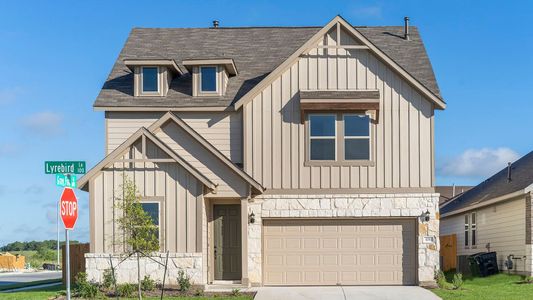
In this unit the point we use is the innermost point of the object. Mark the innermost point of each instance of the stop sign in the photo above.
(68, 208)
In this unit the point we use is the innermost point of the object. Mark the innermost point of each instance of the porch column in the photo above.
(244, 241)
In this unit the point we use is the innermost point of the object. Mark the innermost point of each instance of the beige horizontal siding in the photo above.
(181, 203)
(274, 138)
(222, 129)
(501, 225)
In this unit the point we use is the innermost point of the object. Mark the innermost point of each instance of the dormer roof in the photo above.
(228, 63)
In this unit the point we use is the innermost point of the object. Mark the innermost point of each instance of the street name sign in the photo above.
(66, 180)
(68, 207)
(64, 167)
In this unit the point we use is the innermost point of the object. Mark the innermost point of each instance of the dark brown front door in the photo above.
(227, 246)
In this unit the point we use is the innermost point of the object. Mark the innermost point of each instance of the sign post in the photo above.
(69, 215)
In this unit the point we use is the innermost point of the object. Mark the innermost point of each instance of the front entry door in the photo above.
(227, 241)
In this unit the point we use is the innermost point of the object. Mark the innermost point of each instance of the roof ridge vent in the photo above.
(215, 23)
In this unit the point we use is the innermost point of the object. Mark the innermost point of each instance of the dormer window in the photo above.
(208, 79)
(152, 77)
(150, 80)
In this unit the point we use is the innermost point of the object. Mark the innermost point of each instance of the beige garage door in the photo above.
(347, 252)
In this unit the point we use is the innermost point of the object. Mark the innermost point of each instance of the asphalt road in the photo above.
(10, 278)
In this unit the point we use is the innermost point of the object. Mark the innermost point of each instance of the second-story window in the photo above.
(322, 137)
(150, 80)
(339, 138)
(208, 79)
(356, 137)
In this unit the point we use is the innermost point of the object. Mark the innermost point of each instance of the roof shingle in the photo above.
(257, 51)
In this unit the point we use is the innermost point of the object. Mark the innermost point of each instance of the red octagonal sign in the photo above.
(69, 208)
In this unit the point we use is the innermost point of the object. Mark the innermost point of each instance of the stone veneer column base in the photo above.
(349, 206)
(191, 263)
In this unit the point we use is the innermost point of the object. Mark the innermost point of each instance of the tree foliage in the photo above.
(33, 245)
(137, 226)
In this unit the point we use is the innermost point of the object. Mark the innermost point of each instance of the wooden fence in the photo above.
(77, 260)
(448, 252)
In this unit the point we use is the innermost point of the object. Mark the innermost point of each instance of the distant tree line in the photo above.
(33, 245)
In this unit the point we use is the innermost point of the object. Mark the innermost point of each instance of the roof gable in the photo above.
(171, 117)
(339, 24)
(143, 134)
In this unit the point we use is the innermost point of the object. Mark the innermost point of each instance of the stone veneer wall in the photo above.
(191, 263)
(342, 206)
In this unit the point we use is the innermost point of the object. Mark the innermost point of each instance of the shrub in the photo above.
(126, 290)
(457, 281)
(84, 288)
(441, 280)
(147, 284)
(198, 293)
(108, 281)
(184, 281)
(235, 292)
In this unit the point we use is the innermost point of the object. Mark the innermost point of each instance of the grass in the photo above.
(500, 286)
(53, 291)
(39, 294)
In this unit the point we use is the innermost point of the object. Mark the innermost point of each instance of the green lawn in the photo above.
(51, 292)
(501, 286)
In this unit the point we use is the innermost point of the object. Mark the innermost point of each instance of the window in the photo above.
(356, 137)
(208, 79)
(467, 229)
(152, 209)
(351, 143)
(473, 229)
(150, 79)
(322, 137)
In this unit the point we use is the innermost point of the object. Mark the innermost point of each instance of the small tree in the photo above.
(137, 226)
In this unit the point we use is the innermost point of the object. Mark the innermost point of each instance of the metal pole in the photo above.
(67, 259)
(57, 229)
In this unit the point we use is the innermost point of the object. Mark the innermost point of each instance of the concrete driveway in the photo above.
(345, 293)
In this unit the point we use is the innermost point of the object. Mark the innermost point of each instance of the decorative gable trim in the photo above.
(144, 134)
(171, 117)
(339, 21)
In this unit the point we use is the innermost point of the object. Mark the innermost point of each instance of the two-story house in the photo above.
(273, 155)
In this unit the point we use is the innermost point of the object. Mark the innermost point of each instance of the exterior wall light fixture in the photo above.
(251, 218)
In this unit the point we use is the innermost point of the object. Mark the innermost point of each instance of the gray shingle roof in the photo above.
(497, 185)
(256, 52)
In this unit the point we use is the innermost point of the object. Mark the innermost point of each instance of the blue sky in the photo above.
(55, 56)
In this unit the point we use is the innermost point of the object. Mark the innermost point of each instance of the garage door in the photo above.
(347, 252)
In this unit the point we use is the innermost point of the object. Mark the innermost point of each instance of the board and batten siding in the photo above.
(502, 225)
(179, 193)
(222, 129)
(274, 136)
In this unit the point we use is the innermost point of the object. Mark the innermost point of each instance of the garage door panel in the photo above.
(330, 252)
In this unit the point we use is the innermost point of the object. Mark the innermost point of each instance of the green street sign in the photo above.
(66, 180)
(64, 167)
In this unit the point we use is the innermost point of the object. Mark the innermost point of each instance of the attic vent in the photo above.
(406, 29)
(215, 23)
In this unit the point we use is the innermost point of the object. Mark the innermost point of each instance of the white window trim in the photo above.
(357, 137)
(473, 228)
(141, 82)
(329, 137)
(217, 78)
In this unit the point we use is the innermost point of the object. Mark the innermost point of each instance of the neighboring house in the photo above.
(274, 155)
(448, 192)
(495, 216)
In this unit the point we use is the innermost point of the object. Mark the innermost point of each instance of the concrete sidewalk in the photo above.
(345, 293)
